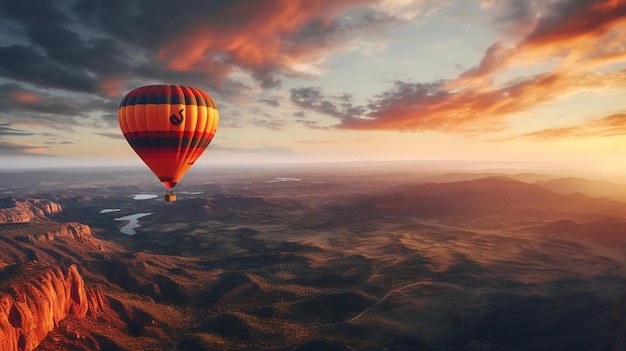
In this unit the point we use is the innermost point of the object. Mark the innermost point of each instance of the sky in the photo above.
(533, 82)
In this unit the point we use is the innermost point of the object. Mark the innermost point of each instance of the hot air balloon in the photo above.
(169, 127)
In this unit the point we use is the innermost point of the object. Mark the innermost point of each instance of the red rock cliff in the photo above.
(70, 230)
(24, 210)
(33, 299)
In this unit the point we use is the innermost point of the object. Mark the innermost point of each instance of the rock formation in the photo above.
(24, 210)
(97, 303)
(70, 230)
(33, 299)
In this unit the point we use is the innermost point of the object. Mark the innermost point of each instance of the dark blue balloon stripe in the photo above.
(168, 143)
(150, 99)
(198, 141)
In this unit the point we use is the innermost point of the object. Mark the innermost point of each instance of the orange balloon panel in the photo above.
(169, 127)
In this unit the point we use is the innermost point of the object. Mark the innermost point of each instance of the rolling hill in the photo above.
(334, 263)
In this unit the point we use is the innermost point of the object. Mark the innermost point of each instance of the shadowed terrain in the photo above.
(330, 259)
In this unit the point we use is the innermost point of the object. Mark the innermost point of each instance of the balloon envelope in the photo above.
(169, 127)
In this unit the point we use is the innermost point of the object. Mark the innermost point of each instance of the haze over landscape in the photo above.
(386, 175)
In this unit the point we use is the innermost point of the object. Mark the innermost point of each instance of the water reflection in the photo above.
(283, 179)
(107, 210)
(133, 222)
(144, 196)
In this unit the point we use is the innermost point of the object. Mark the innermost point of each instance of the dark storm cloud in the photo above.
(27, 64)
(17, 102)
(18, 98)
(106, 47)
(55, 54)
(61, 49)
(150, 24)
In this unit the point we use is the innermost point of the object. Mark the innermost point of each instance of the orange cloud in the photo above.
(608, 126)
(111, 86)
(409, 107)
(254, 35)
(23, 97)
(575, 47)
(610, 5)
(579, 37)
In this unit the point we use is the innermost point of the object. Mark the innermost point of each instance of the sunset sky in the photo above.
(533, 82)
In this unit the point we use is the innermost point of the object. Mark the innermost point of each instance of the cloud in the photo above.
(117, 136)
(420, 107)
(50, 107)
(574, 44)
(91, 47)
(269, 123)
(266, 39)
(312, 98)
(271, 102)
(231, 47)
(312, 124)
(76, 58)
(20, 149)
(58, 53)
(575, 35)
(64, 142)
(612, 125)
(16, 149)
(211, 40)
(109, 119)
(7, 130)
(24, 63)
(432, 106)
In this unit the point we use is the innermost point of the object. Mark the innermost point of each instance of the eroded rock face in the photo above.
(33, 299)
(97, 303)
(70, 230)
(24, 210)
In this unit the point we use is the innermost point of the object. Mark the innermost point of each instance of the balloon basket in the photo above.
(170, 196)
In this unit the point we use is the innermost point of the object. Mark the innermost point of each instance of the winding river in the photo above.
(133, 222)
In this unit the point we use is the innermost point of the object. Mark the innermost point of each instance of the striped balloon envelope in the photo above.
(169, 127)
